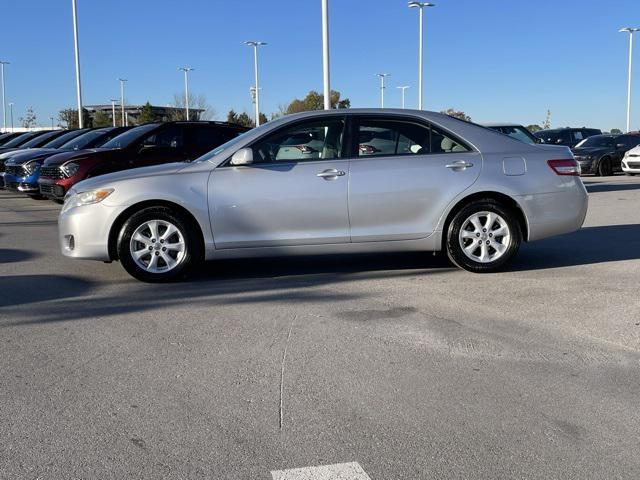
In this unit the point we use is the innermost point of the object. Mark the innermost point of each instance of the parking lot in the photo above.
(401, 363)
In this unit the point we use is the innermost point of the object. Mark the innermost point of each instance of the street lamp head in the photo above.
(2, 62)
(420, 4)
(382, 75)
(629, 29)
(123, 79)
(186, 69)
(254, 43)
(404, 86)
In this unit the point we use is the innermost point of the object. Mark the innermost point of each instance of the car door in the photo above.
(295, 192)
(402, 177)
(163, 145)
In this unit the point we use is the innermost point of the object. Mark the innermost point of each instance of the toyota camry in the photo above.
(340, 181)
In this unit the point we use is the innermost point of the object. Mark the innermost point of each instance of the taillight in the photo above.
(566, 166)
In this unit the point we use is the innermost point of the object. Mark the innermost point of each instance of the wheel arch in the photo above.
(497, 196)
(126, 214)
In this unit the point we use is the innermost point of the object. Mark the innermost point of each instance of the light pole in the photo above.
(4, 106)
(420, 6)
(11, 114)
(122, 80)
(51, 118)
(630, 31)
(255, 45)
(186, 71)
(382, 87)
(77, 55)
(403, 88)
(113, 110)
(325, 55)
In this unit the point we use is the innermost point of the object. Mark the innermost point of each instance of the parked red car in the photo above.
(149, 144)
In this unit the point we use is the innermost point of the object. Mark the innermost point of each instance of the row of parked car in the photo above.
(46, 164)
(597, 153)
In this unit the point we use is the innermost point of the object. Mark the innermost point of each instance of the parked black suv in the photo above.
(602, 154)
(569, 137)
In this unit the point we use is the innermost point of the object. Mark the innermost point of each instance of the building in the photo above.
(132, 113)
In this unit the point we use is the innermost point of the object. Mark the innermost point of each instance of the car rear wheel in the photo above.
(604, 167)
(157, 244)
(483, 237)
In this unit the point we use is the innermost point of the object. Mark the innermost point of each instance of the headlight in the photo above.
(86, 198)
(69, 169)
(32, 166)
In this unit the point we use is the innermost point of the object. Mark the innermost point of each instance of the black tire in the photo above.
(455, 251)
(37, 197)
(193, 252)
(604, 167)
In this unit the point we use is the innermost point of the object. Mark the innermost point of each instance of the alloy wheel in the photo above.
(484, 237)
(157, 246)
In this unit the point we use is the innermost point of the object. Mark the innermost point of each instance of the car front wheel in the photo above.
(157, 244)
(483, 237)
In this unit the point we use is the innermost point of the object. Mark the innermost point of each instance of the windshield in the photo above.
(19, 139)
(83, 140)
(34, 142)
(127, 138)
(596, 141)
(231, 143)
(62, 139)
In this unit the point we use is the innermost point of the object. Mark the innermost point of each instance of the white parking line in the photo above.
(339, 471)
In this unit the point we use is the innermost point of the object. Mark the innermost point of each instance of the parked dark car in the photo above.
(514, 130)
(148, 144)
(5, 137)
(22, 169)
(602, 154)
(568, 137)
(21, 140)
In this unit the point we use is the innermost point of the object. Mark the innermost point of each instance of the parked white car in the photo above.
(631, 161)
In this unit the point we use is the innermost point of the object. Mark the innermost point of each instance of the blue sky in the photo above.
(498, 60)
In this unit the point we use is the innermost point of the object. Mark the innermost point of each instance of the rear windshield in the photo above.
(127, 138)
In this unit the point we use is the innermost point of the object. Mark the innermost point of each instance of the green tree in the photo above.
(315, 101)
(244, 119)
(69, 118)
(29, 120)
(616, 131)
(546, 125)
(457, 114)
(534, 127)
(146, 114)
(102, 119)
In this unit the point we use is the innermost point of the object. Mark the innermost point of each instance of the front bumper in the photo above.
(54, 188)
(83, 232)
(21, 184)
(631, 165)
(586, 165)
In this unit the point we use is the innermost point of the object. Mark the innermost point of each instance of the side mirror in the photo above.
(244, 156)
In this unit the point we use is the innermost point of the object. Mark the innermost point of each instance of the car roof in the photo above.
(501, 124)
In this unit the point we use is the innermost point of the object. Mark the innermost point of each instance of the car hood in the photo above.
(63, 157)
(9, 152)
(585, 151)
(111, 178)
(19, 157)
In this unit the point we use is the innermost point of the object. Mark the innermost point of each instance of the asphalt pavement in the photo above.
(371, 366)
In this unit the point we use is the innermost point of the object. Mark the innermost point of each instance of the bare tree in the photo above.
(196, 103)
(546, 125)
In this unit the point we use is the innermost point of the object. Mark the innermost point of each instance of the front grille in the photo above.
(12, 186)
(633, 164)
(51, 172)
(52, 190)
(15, 170)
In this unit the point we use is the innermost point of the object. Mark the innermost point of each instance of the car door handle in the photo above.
(330, 174)
(461, 164)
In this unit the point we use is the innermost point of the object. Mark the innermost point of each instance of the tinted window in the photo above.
(629, 141)
(205, 137)
(62, 139)
(577, 135)
(127, 138)
(314, 140)
(83, 140)
(169, 137)
(597, 141)
(19, 139)
(40, 139)
(400, 137)
(518, 133)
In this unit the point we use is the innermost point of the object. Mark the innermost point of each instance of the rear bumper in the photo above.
(586, 166)
(555, 213)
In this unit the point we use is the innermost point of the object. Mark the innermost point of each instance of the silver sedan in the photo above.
(340, 181)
